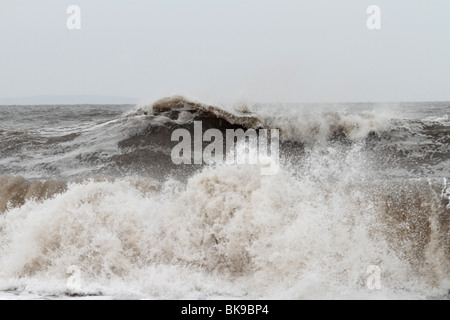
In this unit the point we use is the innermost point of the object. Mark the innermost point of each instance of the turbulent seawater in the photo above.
(94, 187)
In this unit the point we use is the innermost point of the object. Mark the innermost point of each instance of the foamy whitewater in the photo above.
(94, 187)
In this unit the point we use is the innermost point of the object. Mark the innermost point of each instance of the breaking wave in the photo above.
(355, 189)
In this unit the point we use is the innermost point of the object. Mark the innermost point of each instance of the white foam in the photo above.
(229, 232)
(318, 125)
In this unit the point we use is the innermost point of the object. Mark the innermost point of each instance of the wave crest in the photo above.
(182, 110)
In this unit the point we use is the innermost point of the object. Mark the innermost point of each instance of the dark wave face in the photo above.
(67, 142)
(95, 186)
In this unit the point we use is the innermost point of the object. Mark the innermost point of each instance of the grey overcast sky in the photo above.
(227, 50)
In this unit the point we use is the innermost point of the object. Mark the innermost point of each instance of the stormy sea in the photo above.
(92, 205)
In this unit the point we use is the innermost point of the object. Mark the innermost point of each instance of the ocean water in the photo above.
(91, 189)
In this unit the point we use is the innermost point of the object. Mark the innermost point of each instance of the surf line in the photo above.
(241, 147)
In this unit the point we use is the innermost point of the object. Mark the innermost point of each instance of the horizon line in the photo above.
(27, 101)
